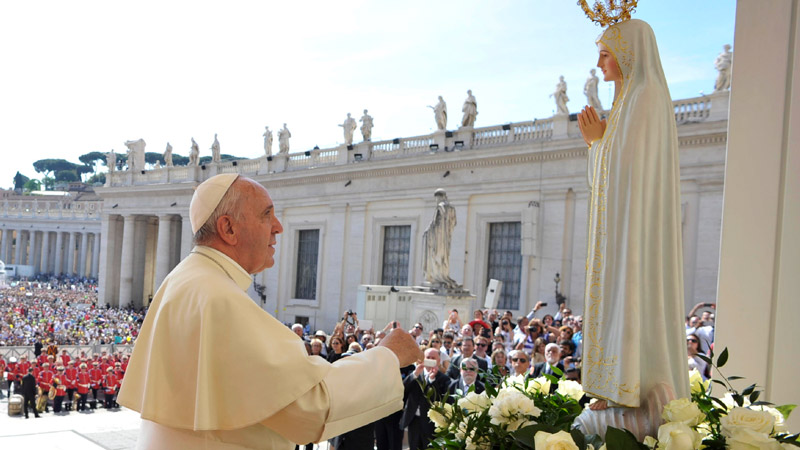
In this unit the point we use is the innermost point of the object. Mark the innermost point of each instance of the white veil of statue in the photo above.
(634, 338)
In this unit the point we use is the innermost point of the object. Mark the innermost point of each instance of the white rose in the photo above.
(554, 441)
(742, 438)
(441, 419)
(513, 409)
(696, 382)
(473, 402)
(650, 441)
(780, 422)
(682, 410)
(677, 436)
(571, 389)
(541, 384)
(759, 421)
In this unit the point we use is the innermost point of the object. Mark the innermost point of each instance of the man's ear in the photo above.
(226, 230)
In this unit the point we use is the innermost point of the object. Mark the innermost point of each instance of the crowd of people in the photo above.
(459, 356)
(464, 355)
(62, 310)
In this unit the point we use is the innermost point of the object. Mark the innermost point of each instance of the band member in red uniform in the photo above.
(70, 378)
(125, 360)
(83, 382)
(12, 369)
(45, 380)
(22, 367)
(110, 386)
(65, 358)
(96, 377)
(61, 389)
(42, 359)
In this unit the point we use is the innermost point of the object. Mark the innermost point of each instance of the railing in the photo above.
(692, 110)
(72, 350)
(686, 111)
(67, 209)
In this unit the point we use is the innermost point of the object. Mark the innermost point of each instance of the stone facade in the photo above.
(529, 172)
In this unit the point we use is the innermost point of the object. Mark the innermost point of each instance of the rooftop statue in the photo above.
(470, 110)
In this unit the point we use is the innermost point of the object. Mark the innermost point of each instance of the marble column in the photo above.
(126, 261)
(58, 253)
(95, 255)
(36, 249)
(23, 245)
(186, 236)
(3, 243)
(70, 270)
(45, 260)
(18, 247)
(82, 254)
(162, 250)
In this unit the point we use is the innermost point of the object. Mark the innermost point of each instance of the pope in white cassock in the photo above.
(212, 370)
(634, 341)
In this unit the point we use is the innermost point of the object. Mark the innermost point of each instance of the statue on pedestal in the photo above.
(436, 244)
(349, 126)
(560, 96)
(590, 90)
(470, 110)
(194, 154)
(440, 113)
(135, 154)
(216, 156)
(723, 65)
(111, 161)
(283, 140)
(267, 141)
(168, 155)
(366, 126)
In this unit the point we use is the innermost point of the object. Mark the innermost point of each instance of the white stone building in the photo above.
(354, 217)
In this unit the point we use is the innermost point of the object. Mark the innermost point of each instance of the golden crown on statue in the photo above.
(613, 11)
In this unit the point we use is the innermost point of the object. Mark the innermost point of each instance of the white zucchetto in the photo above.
(207, 196)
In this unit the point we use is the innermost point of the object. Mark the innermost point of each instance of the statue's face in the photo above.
(608, 64)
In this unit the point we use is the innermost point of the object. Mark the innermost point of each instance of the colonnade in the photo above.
(48, 251)
(139, 252)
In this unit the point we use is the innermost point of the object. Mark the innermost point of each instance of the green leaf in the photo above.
(594, 440)
(749, 389)
(719, 402)
(723, 358)
(720, 383)
(525, 436)
(754, 396)
(735, 377)
(620, 440)
(786, 410)
(580, 441)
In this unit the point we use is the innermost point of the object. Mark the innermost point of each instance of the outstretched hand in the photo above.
(403, 345)
(592, 128)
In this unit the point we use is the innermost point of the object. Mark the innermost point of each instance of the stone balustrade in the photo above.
(53, 209)
(704, 108)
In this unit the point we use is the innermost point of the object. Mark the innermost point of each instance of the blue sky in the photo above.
(86, 76)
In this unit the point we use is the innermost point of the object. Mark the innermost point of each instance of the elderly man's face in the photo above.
(552, 354)
(469, 371)
(433, 354)
(520, 363)
(466, 330)
(257, 230)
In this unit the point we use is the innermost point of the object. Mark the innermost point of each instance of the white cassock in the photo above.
(634, 351)
(212, 370)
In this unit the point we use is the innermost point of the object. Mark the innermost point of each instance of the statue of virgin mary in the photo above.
(634, 355)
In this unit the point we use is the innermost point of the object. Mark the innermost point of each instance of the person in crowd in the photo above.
(693, 349)
(69, 379)
(520, 331)
(316, 348)
(526, 342)
(453, 322)
(447, 344)
(467, 350)
(337, 349)
(507, 332)
(416, 333)
(61, 389)
(567, 348)
(11, 374)
(415, 412)
(520, 363)
(553, 359)
(96, 378)
(481, 348)
(466, 331)
(500, 363)
(436, 342)
(468, 379)
(110, 387)
(538, 350)
(82, 383)
(29, 394)
(45, 380)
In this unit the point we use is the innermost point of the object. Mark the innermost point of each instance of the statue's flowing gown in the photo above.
(634, 339)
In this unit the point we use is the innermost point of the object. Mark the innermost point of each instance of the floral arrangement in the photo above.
(522, 413)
